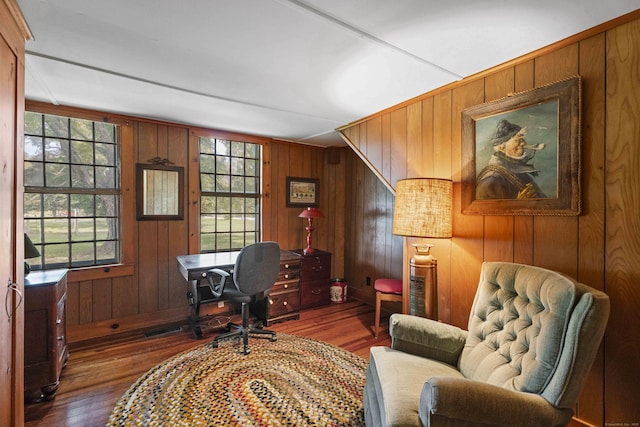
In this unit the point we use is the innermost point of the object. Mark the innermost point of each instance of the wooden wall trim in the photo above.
(366, 160)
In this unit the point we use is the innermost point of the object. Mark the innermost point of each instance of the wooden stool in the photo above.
(386, 290)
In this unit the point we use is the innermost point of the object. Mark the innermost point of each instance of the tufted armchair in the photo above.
(532, 337)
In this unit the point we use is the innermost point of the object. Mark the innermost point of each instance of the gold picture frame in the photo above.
(521, 154)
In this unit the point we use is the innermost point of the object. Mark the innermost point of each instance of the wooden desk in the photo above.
(194, 268)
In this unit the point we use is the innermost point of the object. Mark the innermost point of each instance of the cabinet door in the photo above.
(11, 128)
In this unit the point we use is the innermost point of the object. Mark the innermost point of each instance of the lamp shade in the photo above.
(423, 208)
(30, 251)
(311, 213)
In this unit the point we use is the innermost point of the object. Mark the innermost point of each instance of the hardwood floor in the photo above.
(96, 377)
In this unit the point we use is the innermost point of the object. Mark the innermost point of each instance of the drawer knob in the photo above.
(286, 285)
(270, 301)
(58, 321)
(286, 276)
(61, 338)
(286, 266)
(284, 303)
(316, 291)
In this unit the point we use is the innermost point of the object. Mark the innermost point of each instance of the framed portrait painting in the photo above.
(521, 154)
(302, 192)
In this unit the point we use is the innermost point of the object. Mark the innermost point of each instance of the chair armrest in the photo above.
(217, 286)
(477, 403)
(426, 338)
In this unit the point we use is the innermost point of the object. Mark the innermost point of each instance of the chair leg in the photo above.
(376, 327)
(243, 331)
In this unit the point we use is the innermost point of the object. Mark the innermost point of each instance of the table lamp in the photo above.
(422, 208)
(310, 214)
(30, 251)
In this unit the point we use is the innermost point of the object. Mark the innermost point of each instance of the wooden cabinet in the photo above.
(45, 332)
(283, 302)
(315, 278)
(284, 299)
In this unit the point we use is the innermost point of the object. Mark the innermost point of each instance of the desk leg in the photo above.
(194, 301)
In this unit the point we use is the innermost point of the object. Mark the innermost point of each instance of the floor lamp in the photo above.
(422, 208)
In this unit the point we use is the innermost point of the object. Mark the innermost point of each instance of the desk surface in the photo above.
(192, 266)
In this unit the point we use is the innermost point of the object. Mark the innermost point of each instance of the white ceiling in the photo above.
(288, 69)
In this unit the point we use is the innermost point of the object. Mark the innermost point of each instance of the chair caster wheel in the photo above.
(274, 338)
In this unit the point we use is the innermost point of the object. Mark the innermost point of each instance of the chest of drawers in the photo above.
(45, 342)
(315, 277)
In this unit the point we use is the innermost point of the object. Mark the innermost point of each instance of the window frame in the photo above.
(257, 196)
(126, 215)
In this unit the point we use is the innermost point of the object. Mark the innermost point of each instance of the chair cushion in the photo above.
(517, 326)
(388, 286)
(397, 379)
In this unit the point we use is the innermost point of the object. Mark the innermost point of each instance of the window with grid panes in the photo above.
(229, 194)
(72, 191)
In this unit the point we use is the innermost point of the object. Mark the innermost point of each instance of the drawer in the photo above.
(316, 267)
(283, 303)
(288, 275)
(289, 270)
(286, 286)
(315, 293)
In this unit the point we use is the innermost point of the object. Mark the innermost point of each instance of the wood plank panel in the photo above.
(498, 229)
(85, 302)
(398, 141)
(467, 244)
(591, 223)
(101, 300)
(415, 167)
(386, 149)
(523, 225)
(374, 142)
(124, 296)
(147, 148)
(622, 248)
(178, 231)
(555, 238)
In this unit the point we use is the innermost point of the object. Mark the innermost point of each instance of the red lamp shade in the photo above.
(310, 214)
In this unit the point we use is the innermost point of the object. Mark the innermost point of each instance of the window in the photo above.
(229, 194)
(72, 191)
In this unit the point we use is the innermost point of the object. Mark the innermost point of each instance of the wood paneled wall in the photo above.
(601, 248)
(147, 290)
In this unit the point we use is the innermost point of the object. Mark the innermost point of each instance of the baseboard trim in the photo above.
(90, 334)
(577, 422)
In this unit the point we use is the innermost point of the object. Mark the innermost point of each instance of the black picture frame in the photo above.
(159, 192)
(302, 192)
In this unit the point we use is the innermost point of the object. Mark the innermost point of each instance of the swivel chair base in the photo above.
(243, 331)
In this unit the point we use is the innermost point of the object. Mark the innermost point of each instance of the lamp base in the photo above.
(423, 283)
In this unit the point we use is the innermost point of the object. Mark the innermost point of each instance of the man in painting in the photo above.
(508, 174)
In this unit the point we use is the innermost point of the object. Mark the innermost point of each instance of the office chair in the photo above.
(255, 271)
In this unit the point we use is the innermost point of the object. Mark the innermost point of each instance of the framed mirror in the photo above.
(159, 192)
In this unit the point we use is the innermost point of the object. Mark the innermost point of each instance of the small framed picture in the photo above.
(302, 192)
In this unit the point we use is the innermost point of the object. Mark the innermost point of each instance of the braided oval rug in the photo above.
(294, 381)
